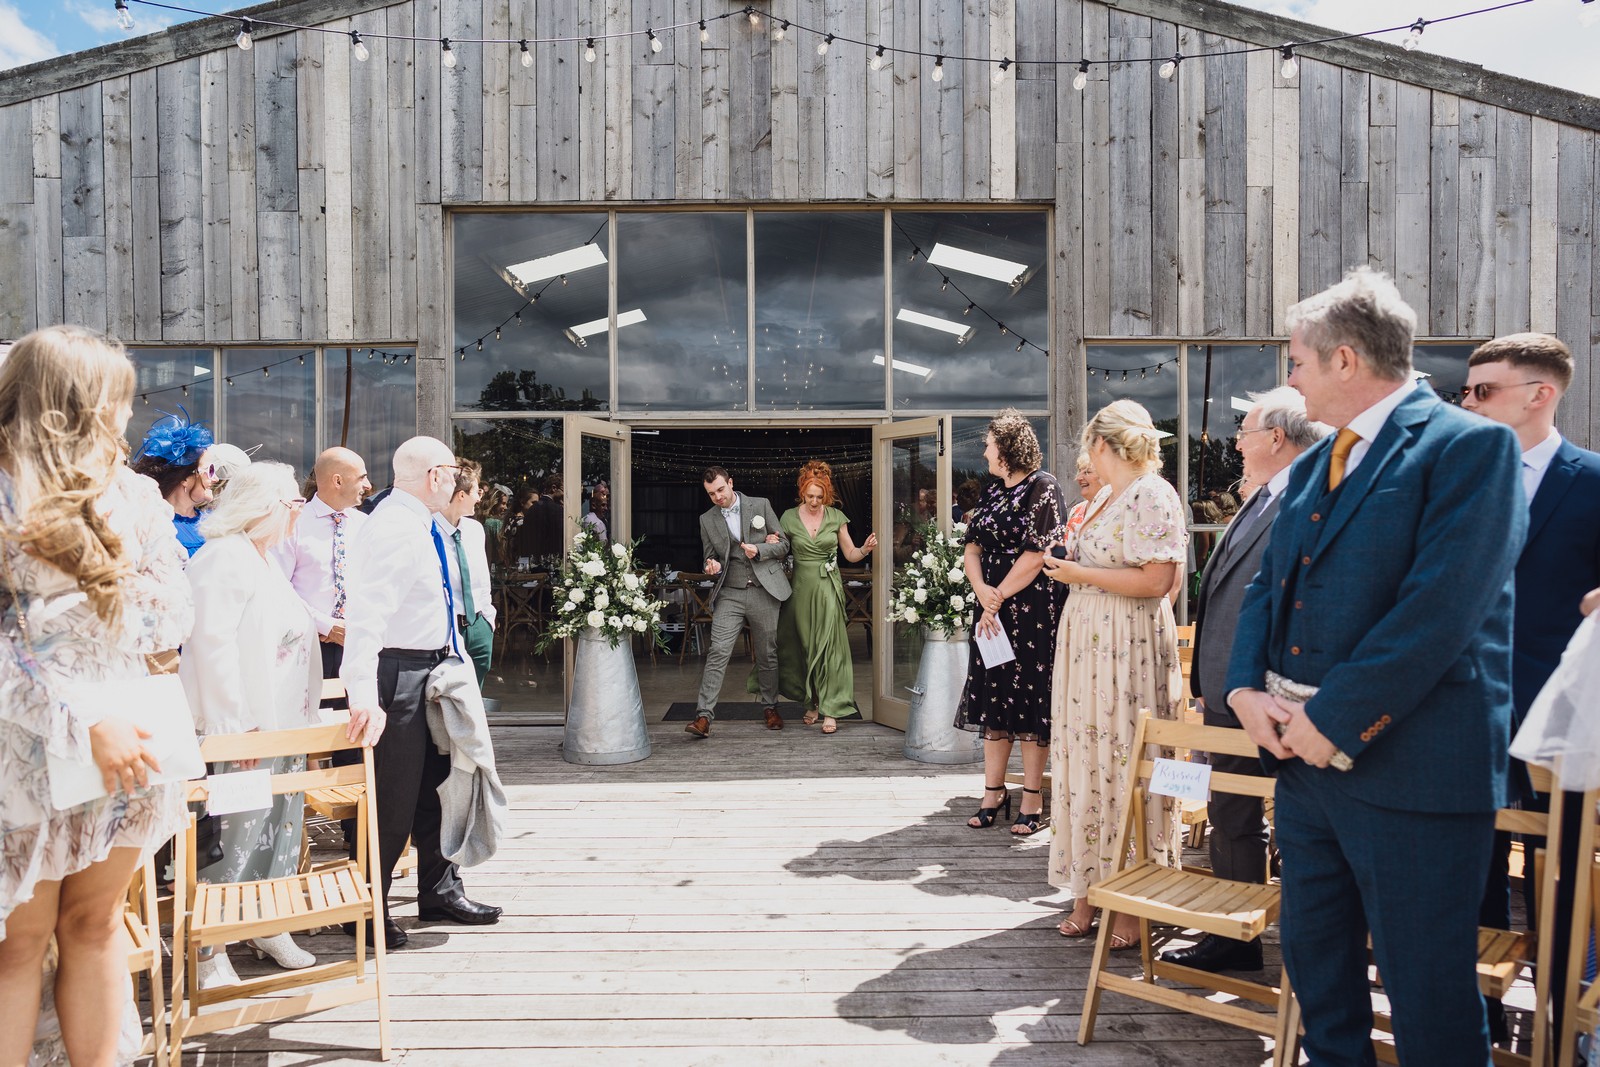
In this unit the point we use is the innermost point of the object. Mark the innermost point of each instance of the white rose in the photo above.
(596, 619)
(921, 582)
(630, 581)
(577, 538)
(613, 622)
(920, 595)
(619, 550)
(911, 615)
(641, 625)
(627, 621)
(567, 605)
(758, 523)
(928, 560)
(575, 594)
(601, 600)
(956, 574)
(957, 602)
(593, 568)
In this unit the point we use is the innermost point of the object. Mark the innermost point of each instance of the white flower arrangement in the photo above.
(931, 589)
(598, 588)
(758, 522)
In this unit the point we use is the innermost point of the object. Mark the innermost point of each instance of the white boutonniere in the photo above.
(758, 523)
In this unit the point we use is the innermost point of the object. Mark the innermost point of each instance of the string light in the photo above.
(588, 51)
(783, 28)
(876, 62)
(124, 16)
(1413, 38)
(1080, 79)
(824, 44)
(938, 68)
(449, 55)
(1000, 72)
(755, 19)
(655, 42)
(242, 38)
(360, 50)
(480, 344)
(1170, 67)
(1291, 65)
(527, 57)
(705, 32)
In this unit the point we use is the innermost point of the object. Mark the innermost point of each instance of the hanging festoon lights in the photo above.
(1290, 66)
(358, 49)
(1081, 79)
(124, 16)
(1413, 39)
(243, 38)
(448, 56)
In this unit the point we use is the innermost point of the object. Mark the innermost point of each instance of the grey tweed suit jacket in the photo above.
(1222, 587)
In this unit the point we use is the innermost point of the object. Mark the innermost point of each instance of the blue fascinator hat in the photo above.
(175, 440)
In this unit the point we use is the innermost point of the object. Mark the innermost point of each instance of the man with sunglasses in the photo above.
(1518, 380)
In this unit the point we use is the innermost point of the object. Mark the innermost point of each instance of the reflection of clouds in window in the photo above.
(1446, 367)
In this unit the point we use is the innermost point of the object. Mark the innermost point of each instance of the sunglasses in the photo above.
(294, 504)
(1484, 390)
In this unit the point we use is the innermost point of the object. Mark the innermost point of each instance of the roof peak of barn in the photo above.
(1420, 67)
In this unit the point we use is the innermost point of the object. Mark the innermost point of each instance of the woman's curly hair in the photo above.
(1016, 442)
(816, 472)
(64, 394)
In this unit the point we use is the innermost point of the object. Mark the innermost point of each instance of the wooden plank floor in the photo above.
(757, 897)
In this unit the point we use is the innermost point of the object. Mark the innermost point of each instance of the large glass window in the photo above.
(171, 381)
(819, 331)
(1220, 381)
(531, 305)
(270, 399)
(971, 309)
(378, 409)
(1445, 366)
(1146, 373)
(682, 311)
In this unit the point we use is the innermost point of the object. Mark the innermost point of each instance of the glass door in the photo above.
(911, 488)
(596, 491)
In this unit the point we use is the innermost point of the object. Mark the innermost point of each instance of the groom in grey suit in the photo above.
(750, 588)
(1273, 434)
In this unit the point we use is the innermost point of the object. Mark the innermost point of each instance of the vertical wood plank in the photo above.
(401, 77)
(278, 265)
(812, 82)
(686, 103)
(559, 78)
(784, 106)
(117, 119)
(844, 138)
(1354, 165)
(523, 111)
(16, 153)
(215, 236)
(1227, 162)
(433, 341)
(908, 104)
(1167, 280)
(182, 254)
(976, 99)
(715, 173)
(1542, 236)
(1001, 20)
(368, 118)
(428, 71)
(500, 64)
(1512, 234)
(142, 93)
(943, 142)
(655, 135)
(1575, 235)
(461, 104)
(1444, 245)
(49, 299)
(47, 136)
(83, 281)
(244, 295)
(1285, 196)
(1414, 199)
(1034, 138)
(277, 124)
(17, 315)
(1381, 198)
(879, 88)
(1259, 70)
(753, 174)
(311, 192)
(82, 158)
(639, 115)
(1068, 387)
(1320, 208)
(1095, 161)
(1129, 263)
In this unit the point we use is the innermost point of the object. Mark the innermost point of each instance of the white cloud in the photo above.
(102, 19)
(1553, 43)
(21, 44)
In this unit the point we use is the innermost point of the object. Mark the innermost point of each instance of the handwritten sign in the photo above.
(1185, 781)
(239, 791)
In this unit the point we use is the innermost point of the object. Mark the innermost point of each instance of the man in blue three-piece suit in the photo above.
(1518, 380)
(1372, 664)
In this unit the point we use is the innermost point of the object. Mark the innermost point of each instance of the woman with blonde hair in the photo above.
(91, 579)
(252, 663)
(814, 666)
(1116, 653)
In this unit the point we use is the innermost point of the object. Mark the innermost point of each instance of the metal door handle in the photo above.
(914, 689)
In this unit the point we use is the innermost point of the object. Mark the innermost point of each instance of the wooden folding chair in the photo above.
(348, 891)
(1580, 1008)
(141, 923)
(337, 804)
(1189, 899)
(696, 608)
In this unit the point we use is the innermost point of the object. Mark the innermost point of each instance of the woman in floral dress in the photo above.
(1117, 653)
(1016, 522)
(91, 579)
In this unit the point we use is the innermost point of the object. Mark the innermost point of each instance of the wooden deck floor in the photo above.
(756, 897)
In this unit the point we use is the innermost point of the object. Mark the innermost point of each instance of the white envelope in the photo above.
(157, 705)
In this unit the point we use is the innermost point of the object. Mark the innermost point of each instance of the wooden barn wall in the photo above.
(291, 193)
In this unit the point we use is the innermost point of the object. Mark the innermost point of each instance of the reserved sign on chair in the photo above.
(1180, 779)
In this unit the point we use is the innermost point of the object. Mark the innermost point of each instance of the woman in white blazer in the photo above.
(252, 663)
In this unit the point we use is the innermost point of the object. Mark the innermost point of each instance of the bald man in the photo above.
(316, 557)
(400, 626)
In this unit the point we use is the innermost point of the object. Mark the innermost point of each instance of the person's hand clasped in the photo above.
(773, 539)
(749, 550)
(1058, 569)
(988, 624)
(1303, 738)
(1260, 714)
(366, 725)
(116, 745)
(713, 568)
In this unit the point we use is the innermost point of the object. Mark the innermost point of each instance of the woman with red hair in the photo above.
(814, 665)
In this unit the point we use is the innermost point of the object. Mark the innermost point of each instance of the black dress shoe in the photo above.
(393, 936)
(460, 910)
(1213, 953)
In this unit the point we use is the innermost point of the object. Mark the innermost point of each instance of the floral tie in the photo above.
(338, 564)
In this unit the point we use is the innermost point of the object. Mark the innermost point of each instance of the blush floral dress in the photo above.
(1114, 656)
(1012, 700)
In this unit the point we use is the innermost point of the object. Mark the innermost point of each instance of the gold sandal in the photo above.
(811, 717)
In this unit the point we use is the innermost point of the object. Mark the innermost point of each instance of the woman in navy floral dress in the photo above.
(1014, 525)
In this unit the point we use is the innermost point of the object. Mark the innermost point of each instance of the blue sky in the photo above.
(1546, 40)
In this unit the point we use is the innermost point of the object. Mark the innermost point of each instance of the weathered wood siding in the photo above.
(176, 189)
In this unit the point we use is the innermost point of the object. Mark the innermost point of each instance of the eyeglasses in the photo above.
(1484, 390)
(1259, 429)
(445, 467)
(295, 504)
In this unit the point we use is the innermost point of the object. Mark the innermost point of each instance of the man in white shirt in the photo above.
(316, 558)
(400, 624)
(466, 552)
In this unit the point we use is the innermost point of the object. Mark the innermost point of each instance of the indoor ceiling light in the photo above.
(577, 334)
(962, 331)
(1009, 271)
(553, 266)
(909, 368)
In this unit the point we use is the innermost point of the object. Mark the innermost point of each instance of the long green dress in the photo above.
(814, 667)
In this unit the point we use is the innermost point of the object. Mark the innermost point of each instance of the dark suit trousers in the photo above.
(332, 658)
(1239, 837)
(410, 768)
(1349, 866)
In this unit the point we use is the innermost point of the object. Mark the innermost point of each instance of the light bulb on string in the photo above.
(705, 32)
(588, 51)
(461, 354)
(185, 390)
(302, 359)
(655, 42)
(519, 318)
(1003, 328)
(822, 45)
(480, 344)
(782, 28)
(497, 333)
(968, 309)
(1413, 39)
(357, 47)
(1170, 67)
(448, 55)
(242, 38)
(876, 63)
(266, 372)
(1291, 65)
(938, 68)
(755, 18)
(944, 282)
(1080, 79)
(526, 57)
(563, 279)
(124, 16)
(1020, 344)
(1000, 71)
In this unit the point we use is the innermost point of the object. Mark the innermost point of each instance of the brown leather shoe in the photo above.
(774, 720)
(701, 727)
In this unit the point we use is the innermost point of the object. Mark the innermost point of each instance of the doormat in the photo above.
(685, 711)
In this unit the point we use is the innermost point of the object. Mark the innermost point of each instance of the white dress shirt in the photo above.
(474, 543)
(306, 559)
(731, 517)
(1370, 422)
(1536, 460)
(395, 593)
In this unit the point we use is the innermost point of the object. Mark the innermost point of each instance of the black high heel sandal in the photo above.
(986, 816)
(1030, 819)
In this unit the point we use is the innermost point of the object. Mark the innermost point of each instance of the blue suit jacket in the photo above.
(1394, 595)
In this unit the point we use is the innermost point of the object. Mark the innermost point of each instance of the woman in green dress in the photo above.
(814, 665)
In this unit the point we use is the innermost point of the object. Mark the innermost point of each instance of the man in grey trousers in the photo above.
(750, 588)
(1270, 438)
